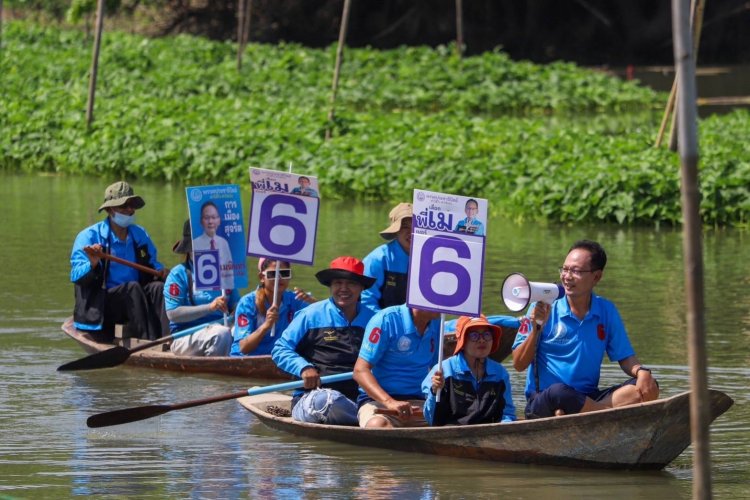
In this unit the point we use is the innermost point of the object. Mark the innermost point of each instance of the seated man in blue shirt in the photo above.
(108, 292)
(400, 347)
(324, 339)
(473, 388)
(563, 345)
(389, 262)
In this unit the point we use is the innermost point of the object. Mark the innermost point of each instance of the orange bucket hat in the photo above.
(465, 323)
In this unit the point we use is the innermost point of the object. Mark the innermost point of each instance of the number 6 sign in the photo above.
(283, 224)
(207, 270)
(446, 262)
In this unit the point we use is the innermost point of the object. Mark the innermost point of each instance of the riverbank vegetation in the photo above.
(540, 141)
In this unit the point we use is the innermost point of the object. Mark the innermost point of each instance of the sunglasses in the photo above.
(474, 336)
(271, 274)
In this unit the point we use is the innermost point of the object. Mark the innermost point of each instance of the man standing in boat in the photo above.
(389, 262)
(324, 339)
(108, 292)
(400, 347)
(563, 345)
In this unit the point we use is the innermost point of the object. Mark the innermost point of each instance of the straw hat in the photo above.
(397, 214)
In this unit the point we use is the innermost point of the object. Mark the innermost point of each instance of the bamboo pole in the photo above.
(95, 63)
(459, 28)
(240, 30)
(684, 55)
(246, 28)
(696, 21)
(337, 67)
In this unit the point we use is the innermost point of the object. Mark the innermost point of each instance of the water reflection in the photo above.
(221, 451)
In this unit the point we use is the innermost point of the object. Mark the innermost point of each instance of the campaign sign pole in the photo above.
(446, 261)
(283, 221)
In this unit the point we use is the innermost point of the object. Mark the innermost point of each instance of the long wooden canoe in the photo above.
(647, 436)
(160, 357)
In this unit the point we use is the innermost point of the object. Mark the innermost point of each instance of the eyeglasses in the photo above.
(575, 272)
(271, 274)
(474, 336)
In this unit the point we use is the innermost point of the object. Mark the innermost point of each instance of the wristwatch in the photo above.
(642, 368)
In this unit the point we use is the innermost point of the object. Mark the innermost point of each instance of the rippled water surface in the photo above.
(222, 451)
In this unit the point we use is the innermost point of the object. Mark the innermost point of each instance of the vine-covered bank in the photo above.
(553, 141)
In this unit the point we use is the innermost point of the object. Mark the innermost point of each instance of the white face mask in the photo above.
(123, 220)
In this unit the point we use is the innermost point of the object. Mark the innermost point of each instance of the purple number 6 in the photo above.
(429, 268)
(268, 221)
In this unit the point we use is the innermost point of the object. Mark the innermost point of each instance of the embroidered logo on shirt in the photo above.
(242, 320)
(174, 290)
(600, 332)
(404, 343)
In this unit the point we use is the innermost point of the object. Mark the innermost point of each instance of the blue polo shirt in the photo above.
(102, 234)
(399, 355)
(387, 257)
(570, 350)
(247, 320)
(177, 293)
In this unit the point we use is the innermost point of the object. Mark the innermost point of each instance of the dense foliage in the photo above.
(555, 141)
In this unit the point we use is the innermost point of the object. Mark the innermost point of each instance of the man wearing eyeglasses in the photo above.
(563, 345)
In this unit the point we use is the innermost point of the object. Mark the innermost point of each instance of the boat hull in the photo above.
(241, 366)
(647, 436)
(156, 357)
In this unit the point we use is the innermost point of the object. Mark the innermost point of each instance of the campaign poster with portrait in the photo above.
(446, 261)
(283, 221)
(218, 237)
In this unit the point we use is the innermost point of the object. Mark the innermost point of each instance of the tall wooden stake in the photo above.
(459, 27)
(95, 63)
(696, 21)
(337, 67)
(687, 128)
(240, 31)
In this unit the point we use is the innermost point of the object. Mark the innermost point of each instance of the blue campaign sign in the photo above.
(216, 225)
(446, 261)
(207, 270)
(283, 218)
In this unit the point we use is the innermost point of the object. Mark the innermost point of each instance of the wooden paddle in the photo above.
(127, 415)
(134, 265)
(119, 354)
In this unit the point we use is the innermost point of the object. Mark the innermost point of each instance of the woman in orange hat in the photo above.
(474, 389)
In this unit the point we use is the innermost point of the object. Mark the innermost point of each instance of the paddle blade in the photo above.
(127, 415)
(104, 359)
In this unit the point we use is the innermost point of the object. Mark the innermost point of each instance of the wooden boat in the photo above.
(647, 436)
(160, 357)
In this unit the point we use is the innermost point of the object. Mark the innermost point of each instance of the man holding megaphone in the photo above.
(563, 344)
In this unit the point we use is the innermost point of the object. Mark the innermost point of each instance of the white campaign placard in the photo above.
(446, 261)
(283, 216)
